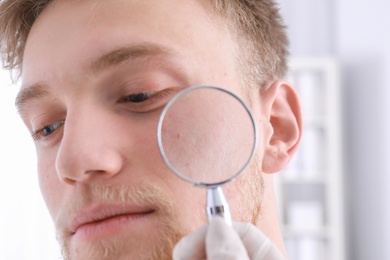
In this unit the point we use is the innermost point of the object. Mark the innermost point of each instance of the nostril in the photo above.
(68, 181)
(95, 171)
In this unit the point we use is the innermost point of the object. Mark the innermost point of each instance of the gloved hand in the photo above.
(217, 240)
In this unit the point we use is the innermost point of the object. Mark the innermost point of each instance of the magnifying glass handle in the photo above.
(217, 205)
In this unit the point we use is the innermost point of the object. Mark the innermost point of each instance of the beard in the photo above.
(250, 189)
(159, 245)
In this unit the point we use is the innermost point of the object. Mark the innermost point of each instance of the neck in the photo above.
(268, 221)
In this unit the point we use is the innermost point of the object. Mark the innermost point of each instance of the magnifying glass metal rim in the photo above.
(165, 157)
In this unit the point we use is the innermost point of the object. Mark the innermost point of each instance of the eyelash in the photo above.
(138, 97)
(144, 102)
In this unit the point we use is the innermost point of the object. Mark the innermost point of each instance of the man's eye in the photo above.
(145, 102)
(47, 130)
(137, 98)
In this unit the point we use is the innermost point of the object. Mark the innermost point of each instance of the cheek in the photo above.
(50, 185)
(245, 194)
(190, 205)
(234, 195)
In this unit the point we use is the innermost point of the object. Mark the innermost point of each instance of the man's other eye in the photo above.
(137, 98)
(47, 130)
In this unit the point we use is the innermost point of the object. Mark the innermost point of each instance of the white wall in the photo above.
(363, 45)
(26, 230)
(357, 33)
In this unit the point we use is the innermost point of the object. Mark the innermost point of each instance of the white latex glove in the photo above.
(217, 240)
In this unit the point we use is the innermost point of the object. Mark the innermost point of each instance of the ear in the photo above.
(283, 125)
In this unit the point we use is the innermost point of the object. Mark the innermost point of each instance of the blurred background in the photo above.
(355, 36)
(26, 230)
(341, 47)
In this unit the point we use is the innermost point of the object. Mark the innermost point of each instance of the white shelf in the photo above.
(310, 190)
(318, 233)
(306, 181)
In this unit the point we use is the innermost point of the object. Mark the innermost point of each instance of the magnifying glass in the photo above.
(207, 136)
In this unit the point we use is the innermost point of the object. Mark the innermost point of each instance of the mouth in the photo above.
(106, 221)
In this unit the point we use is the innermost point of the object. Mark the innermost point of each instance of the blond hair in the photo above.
(255, 25)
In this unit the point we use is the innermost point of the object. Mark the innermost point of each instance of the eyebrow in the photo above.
(107, 60)
(29, 93)
(117, 56)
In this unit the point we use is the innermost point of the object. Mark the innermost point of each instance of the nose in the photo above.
(89, 148)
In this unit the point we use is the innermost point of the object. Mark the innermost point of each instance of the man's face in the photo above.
(96, 75)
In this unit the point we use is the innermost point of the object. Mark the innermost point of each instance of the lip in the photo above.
(105, 220)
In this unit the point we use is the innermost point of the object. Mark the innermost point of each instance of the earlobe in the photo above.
(284, 125)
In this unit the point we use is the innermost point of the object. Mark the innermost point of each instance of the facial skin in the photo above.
(100, 171)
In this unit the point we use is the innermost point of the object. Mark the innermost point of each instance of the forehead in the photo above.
(70, 33)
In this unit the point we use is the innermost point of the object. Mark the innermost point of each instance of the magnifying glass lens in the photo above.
(207, 135)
